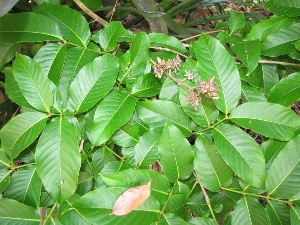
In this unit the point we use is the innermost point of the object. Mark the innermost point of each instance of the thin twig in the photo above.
(207, 200)
(90, 13)
(50, 213)
(198, 35)
(169, 50)
(278, 63)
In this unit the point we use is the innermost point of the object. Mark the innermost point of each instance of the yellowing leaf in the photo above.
(131, 199)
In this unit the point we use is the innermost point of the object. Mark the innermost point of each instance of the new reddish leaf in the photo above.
(131, 199)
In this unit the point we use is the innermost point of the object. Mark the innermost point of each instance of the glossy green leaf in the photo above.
(282, 180)
(8, 51)
(270, 77)
(21, 131)
(176, 157)
(295, 215)
(201, 221)
(215, 61)
(12, 89)
(241, 153)
(126, 136)
(281, 42)
(33, 83)
(131, 177)
(287, 91)
(289, 8)
(146, 86)
(252, 94)
(278, 213)
(155, 113)
(51, 58)
(268, 119)
(100, 158)
(136, 62)
(146, 150)
(203, 114)
(31, 29)
(96, 208)
(72, 24)
(166, 41)
(4, 161)
(92, 83)
(111, 113)
(236, 22)
(4, 179)
(172, 219)
(248, 52)
(108, 36)
(268, 26)
(209, 166)
(76, 58)
(13, 212)
(249, 211)
(25, 187)
(58, 158)
(169, 91)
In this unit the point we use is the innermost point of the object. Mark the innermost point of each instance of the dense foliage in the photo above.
(202, 130)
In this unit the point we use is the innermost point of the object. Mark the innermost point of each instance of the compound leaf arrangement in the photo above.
(121, 128)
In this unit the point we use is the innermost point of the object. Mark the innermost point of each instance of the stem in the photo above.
(50, 213)
(169, 50)
(198, 35)
(279, 63)
(207, 200)
(90, 13)
(177, 81)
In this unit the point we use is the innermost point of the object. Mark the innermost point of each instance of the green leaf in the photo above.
(4, 179)
(8, 51)
(126, 136)
(288, 8)
(155, 113)
(13, 212)
(111, 113)
(249, 211)
(96, 207)
(236, 22)
(27, 27)
(287, 91)
(284, 172)
(241, 153)
(268, 119)
(201, 221)
(252, 94)
(100, 158)
(12, 89)
(295, 215)
(136, 61)
(215, 61)
(266, 27)
(131, 177)
(146, 150)
(209, 165)
(281, 42)
(92, 83)
(146, 86)
(33, 83)
(71, 23)
(176, 157)
(270, 77)
(205, 113)
(108, 36)
(169, 91)
(21, 131)
(163, 40)
(25, 187)
(4, 161)
(51, 58)
(172, 219)
(58, 158)
(278, 213)
(76, 58)
(248, 52)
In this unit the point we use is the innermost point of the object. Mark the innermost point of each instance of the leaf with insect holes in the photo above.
(131, 199)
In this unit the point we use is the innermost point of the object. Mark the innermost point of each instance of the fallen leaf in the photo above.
(131, 199)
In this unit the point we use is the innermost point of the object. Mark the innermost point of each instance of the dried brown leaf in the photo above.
(131, 199)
